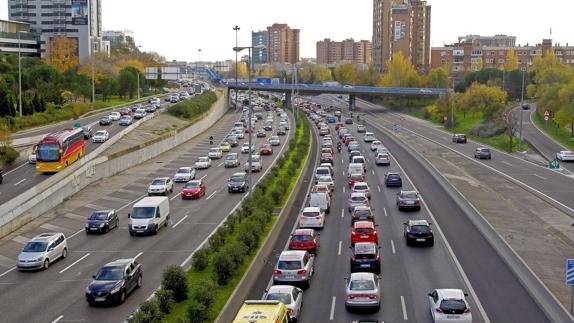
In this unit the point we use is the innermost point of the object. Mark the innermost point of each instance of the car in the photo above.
(202, 163)
(376, 145)
(324, 131)
(41, 251)
(114, 116)
(365, 257)
(312, 217)
(224, 146)
(327, 158)
(304, 239)
(125, 120)
(369, 137)
(134, 108)
(239, 134)
(160, 186)
(353, 153)
(256, 164)
(266, 149)
(140, 113)
(102, 221)
(184, 174)
(232, 140)
(327, 150)
(291, 296)
(483, 153)
(114, 282)
(105, 121)
(193, 189)
(359, 160)
(362, 291)
(231, 160)
(88, 133)
(150, 108)
(357, 199)
(125, 112)
(565, 156)
(281, 131)
(274, 141)
(382, 159)
(362, 213)
(364, 231)
(408, 200)
(318, 188)
(339, 125)
(348, 121)
(418, 232)
(33, 157)
(101, 136)
(361, 128)
(238, 182)
(294, 267)
(459, 138)
(449, 305)
(327, 180)
(323, 171)
(393, 179)
(261, 133)
(214, 153)
(353, 145)
(362, 187)
(246, 148)
(268, 126)
(355, 177)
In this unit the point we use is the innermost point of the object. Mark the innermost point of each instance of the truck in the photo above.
(148, 215)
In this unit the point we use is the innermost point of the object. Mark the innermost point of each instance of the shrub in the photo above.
(165, 300)
(194, 107)
(148, 312)
(218, 239)
(200, 259)
(247, 235)
(174, 279)
(196, 312)
(204, 292)
(224, 267)
(8, 155)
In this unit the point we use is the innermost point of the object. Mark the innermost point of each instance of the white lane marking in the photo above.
(7, 271)
(393, 247)
(405, 317)
(174, 197)
(373, 171)
(131, 202)
(75, 234)
(137, 256)
(178, 222)
(75, 262)
(342, 162)
(220, 164)
(203, 177)
(343, 189)
(332, 316)
(542, 178)
(379, 188)
(385, 211)
(343, 173)
(342, 213)
(211, 195)
(19, 182)
(505, 163)
(15, 169)
(340, 245)
(58, 319)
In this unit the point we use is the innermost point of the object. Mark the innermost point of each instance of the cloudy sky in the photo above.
(178, 28)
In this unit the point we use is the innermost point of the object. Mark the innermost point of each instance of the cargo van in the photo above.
(148, 215)
(320, 200)
(355, 169)
(262, 312)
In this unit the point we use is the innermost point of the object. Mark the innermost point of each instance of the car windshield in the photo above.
(110, 273)
(410, 196)
(301, 238)
(214, 150)
(35, 246)
(309, 214)
(393, 176)
(282, 297)
(203, 160)
(236, 178)
(356, 177)
(456, 305)
(230, 157)
(48, 152)
(362, 212)
(193, 184)
(183, 171)
(358, 198)
(364, 230)
(362, 285)
(100, 133)
(158, 182)
(289, 264)
(420, 229)
(99, 216)
(143, 212)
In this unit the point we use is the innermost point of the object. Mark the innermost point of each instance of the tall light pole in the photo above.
(198, 62)
(138, 73)
(93, 57)
(452, 107)
(236, 28)
(19, 76)
(521, 111)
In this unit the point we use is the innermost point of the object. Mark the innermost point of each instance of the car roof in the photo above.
(409, 192)
(164, 178)
(365, 247)
(303, 232)
(358, 194)
(281, 289)
(119, 262)
(362, 276)
(292, 254)
(450, 293)
(364, 224)
(312, 209)
(190, 168)
(360, 184)
(418, 222)
(46, 236)
(362, 208)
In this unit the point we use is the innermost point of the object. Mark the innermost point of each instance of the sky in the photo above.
(178, 28)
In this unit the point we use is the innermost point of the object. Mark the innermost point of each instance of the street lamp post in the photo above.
(236, 28)
(521, 112)
(452, 107)
(138, 85)
(93, 57)
(19, 76)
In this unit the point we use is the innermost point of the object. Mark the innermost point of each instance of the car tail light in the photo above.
(302, 272)
(439, 310)
(351, 297)
(373, 297)
(301, 218)
(290, 311)
(353, 233)
(318, 217)
(352, 258)
(377, 258)
(466, 310)
(277, 272)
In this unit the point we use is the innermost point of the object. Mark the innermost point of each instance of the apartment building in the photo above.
(347, 51)
(283, 44)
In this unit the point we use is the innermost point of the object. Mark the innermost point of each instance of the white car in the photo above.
(312, 217)
(160, 186)
(376, 145)
(369, 137)
(245, 148)
(140, 113)
(363, 291)
(42, 250)
(565, 155)
(32, 158)
(101, 136)
(382, 159)
(362, 187)
(291, 296)
(184, 174)
(203, 163)
(115, 116)
(215, 153)
(449, 305)
(256, 164)
(326, 180)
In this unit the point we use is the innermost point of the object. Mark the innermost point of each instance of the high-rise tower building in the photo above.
(283, 44)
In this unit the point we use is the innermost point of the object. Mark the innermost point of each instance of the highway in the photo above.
(57, 294)
(461, 257)
(25, 176)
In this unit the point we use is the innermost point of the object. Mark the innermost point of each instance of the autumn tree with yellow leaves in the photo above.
(62, 53)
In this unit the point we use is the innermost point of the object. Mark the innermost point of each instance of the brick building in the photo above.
(283, 44)
(332, 52)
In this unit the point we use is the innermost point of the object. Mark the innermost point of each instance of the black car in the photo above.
(105, 121)
(232, 140)
(268, 127)
(114, 282)
(102, 221)
(87, 132)
(526, 106)
(281, 131)
(393, 179)
(238, 182)
(150, 108)
(459, 138)
(348, 121)
(365, 258)
(418, 232)
(482, 153)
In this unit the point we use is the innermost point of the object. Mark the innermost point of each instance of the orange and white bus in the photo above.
(59, 149)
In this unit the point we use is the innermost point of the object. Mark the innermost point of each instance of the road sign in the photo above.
(546, 113)
(570, 271)
(554, 164)
(445, 118)
(546, 118)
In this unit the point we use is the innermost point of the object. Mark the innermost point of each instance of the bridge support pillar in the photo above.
(228, 102)
(287, 99)
(352, 102)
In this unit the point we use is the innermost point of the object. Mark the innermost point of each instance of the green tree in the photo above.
(322, 73)
(129, 81)
(175, 279)
(487, 100)
(7, 100)
(368, 76)
(400, 73)
(346, 73)
(437, 78)
(108, 86)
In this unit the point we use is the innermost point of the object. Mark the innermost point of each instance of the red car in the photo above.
(248, 130)
(348, 139)
(266, 149)
(354, 178)
(339, 125)
(326, 150)
(193, 189)
(304, 239)
(364, 231)
(125, 112)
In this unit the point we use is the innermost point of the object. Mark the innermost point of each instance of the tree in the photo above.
(346, 73)
(487, 100)
(175, 279)
(242, 71)
(322, 73)
(7, 100)
(437, 78)
(128, 81)
(62, 53)
(511, 122)
(565, 115)
(368, 76)
(400, 73)
(511, 61)
(108, 86)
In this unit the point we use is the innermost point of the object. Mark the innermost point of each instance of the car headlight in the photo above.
(102, 225)
(88, 291)
(116, 289)
(39, 258)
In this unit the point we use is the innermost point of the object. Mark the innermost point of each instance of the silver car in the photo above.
(363, 291)
(357, 199)
(291, 296)
(184, 174)
(256, 164)
(42, 250)
(231, 160)
(294, 266)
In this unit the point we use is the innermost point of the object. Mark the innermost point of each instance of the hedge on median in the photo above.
(194, 107)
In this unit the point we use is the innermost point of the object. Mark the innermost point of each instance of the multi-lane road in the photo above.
(57, 294)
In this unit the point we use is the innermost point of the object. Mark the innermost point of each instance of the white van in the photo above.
(320, 200)
(355, 169)
(148, 215)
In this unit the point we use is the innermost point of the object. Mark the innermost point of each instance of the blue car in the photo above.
(366, 258)
(393, 180)
(331, 119)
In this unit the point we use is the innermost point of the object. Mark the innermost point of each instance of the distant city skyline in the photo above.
(178, 28)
